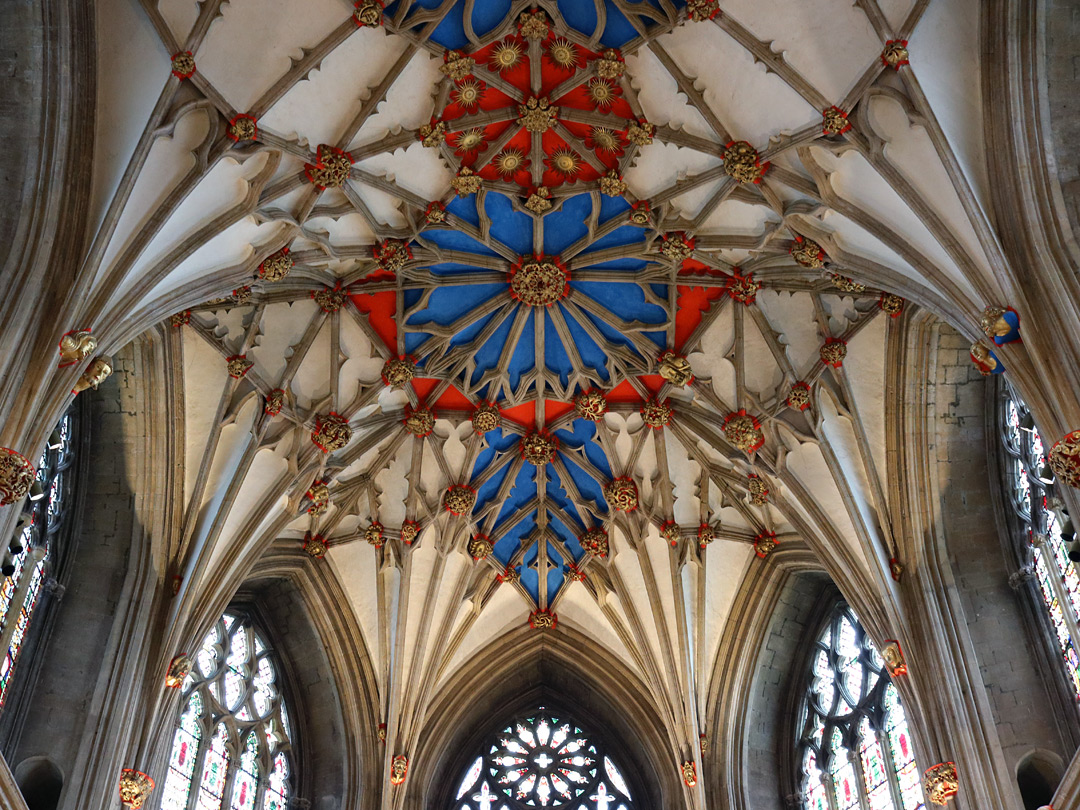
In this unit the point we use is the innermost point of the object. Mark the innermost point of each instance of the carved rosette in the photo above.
(183, 65)
(486, 417)
(315, 545)
(833, 351)
(610, 65)
(410, 530)
(375, 534)
(466, 182)
(135, 788)
(238, 365)
(759, 491)
(941, 783)
(435, 213)
(539, 282)
(677, 247)
(95, 373)
(398, 372)
(591, 405)
(845, 284)
(180, 319)
(742, 163)
(705, 535)
(368, 13)
(1064, 459)
(459, 499)
(480, 547)
(275, 401)
(76, 346)
(743, 288)
(399, 768)
(895, 54)
(640, 133)
(574, 574)
(743, 431)
(538, 115)
(420, 422)
(622, 494)
(764, 543)
(457, 65)
(799, 396)
(675, 369)
(331, 168)
(689, 773)
(539, 448)
(179, 668)
(543, 620)
(391, 254)
(241, 296)
(834, 121)
(702, 10)
(612, 184)
(891, 305)
(332, 432)
(432, 135)
(671, 532)
(808, 253)
(539, 201)
(533, 25)
(639, 214)
(276, 266)
(509, 574)
(242, 128)
(329, 299)
(319, 495)
(595, 542)
(656, 414)
(894, 658)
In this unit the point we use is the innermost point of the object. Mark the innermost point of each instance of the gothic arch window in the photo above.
(231, 747)
(855, 748)
(543, 759)
(1029, 485)
(32, 553)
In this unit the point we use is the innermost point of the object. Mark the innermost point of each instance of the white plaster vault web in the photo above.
(187, 215)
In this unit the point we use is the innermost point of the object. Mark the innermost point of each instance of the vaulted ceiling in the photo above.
(528, 313)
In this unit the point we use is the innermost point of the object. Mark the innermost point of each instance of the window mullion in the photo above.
(855, 757)
(1057, 577)
(205, 742)
(891, 770)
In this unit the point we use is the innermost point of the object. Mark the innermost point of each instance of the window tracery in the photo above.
(1029, 486)
(855, 749)
(21, 591)
(543, 759)
(233, 730)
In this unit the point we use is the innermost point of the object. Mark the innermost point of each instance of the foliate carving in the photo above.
(622, 494)
(705, 535)
(332, 432)
(675, 369)
(457, 65)
(895, 54)
(640, 133)
(241, 296)
(595, 542)
(742, 163)
(743, 431)
(845, 284)
(834, 121)
(677, 246)
(238, 365)
(486, 417)
(759, 490)
(539, 282)
(543, 620)
(93, 375)
(183, 65)
(330, 299)
(799, 396)
(410, 530)
(76, 346)
(891, 305)
(574, 574)
(639, 214)
(896, 569)
(703, 741)
(612, 184)
(509, 574)
(539, 201)
(764, 543)
(368, 13)
(702, 10)
(180, 318)
(941, 782)
(533, 24)
(743, 288)
(375, 534)
(399, 768)
(466, 182)
(319, 495)
(242, 128)
(689, 773)
(539, 448)
(671, 532)
(894, 658)
(391, 254)
(276, 266)
(398, 372)
(832, 352)
(808, 253)
(610, 65)
(459, 499)
(480, 547)
(179, 668)
(435, 213)
(275, 401)
(432, 135)
(420, 422)
(331, 168)
(315, 545)
(1065, 459)
(591, 405)
(656, 414)
(537, 114)
(135, 788)
(1022, 575)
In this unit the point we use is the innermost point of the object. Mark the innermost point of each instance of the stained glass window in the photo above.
(543, 759)
(854, 748)
(21, 591)
(234, 730)
(1029, 484)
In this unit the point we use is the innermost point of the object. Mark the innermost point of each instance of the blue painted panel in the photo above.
(512, 228)
(567, 225)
